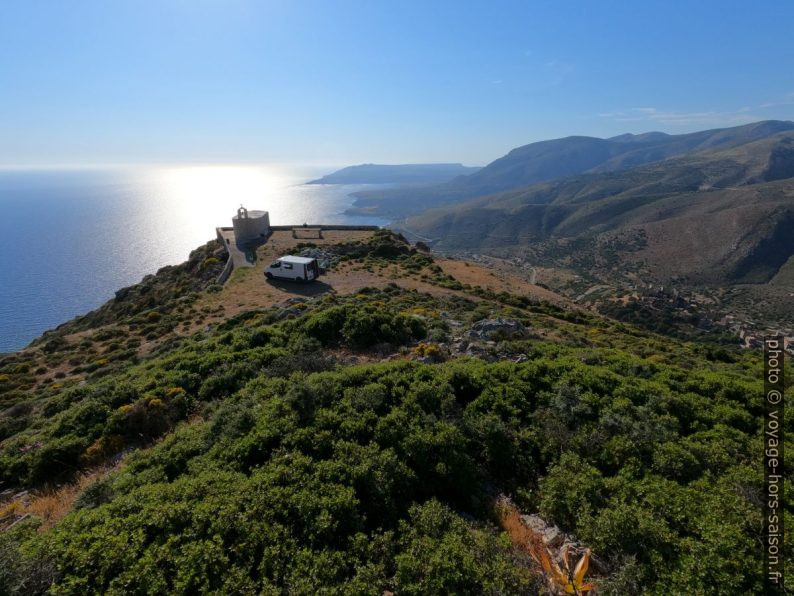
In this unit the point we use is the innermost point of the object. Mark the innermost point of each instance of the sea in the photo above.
(69, 238)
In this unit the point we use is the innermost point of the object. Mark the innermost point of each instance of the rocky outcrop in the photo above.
(492, 329)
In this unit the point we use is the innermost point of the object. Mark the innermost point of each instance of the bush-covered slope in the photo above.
(257, 459)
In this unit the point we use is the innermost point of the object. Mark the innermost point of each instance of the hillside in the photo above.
(547, 160)
(424, 173)
(379, 430)
(697, 240)
(713, 219)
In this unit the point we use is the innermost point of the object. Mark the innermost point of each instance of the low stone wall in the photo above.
(229, 267)
(327, 227)
(227, 270)
(289, 228)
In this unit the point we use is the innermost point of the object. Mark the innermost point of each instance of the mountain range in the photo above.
(560, 158)
(708, 207)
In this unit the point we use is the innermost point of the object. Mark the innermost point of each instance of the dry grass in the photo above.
(499, 275)
(51, 505)
(520, 535)
(565, 579)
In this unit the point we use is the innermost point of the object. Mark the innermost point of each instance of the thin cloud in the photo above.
(786, 101)
(672, 118)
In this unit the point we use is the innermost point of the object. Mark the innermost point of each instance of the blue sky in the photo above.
(118, 81)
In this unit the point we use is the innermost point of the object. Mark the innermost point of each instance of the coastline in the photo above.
(72, 238)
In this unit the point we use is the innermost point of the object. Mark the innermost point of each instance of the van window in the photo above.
(275, 264)
(287, 265)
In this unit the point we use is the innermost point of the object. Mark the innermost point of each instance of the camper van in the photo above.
(294, 268)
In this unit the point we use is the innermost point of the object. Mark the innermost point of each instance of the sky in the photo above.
(339, 82)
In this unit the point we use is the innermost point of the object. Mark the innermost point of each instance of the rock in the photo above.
(534, 523)
(449, 320)
(325, 259)
(521, 358)
(497, 328)
(122, 293)
(552, 536)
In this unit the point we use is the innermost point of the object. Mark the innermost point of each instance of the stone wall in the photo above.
(327, 227)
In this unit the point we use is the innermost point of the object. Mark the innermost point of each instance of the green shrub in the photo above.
(210, 262)
(441, 554)
(265, 465)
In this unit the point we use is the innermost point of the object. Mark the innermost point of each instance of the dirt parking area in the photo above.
(247, 288)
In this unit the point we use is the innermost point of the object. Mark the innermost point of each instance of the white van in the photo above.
(294, 268)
